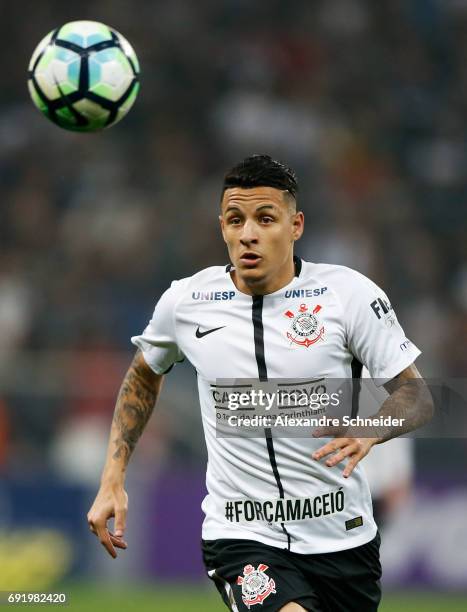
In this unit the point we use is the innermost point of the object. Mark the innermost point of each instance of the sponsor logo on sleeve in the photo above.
(384, 311)
(256, 584)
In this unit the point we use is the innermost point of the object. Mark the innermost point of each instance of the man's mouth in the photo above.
(250, 259)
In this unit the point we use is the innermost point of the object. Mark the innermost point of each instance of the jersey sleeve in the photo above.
(158, 342)
(374, 334)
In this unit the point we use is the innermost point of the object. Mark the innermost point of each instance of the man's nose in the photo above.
(249, 234)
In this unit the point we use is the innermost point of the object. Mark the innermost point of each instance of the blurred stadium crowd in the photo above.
(366, 100)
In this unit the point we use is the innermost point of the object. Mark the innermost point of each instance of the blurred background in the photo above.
(367, 101)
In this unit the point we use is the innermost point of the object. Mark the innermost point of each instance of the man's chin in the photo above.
(251, 275)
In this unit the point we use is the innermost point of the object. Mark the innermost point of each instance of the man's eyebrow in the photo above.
(262, 207)
(232, 207)
(273, 206)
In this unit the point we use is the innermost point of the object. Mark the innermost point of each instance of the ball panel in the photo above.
(66, 118)
(84, 33)
(104, 91)
(65, 55)
(105, 55)
(53, 74)
(47, 58)
(115, 74)
(128, 103)
(39, 49)
(94, 72)
(125, 107)
(130, 98)
(128, 51)
(41, 105)
(73, 72)
(49, 79)
(95, 115)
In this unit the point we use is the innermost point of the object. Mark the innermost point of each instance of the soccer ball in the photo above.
(84, 76)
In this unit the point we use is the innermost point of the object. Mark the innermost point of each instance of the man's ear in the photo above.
(298, 225)
(221, 221)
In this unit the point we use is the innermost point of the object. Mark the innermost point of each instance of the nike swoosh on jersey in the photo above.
(200, 334)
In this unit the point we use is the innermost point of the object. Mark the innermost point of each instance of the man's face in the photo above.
(260, 226)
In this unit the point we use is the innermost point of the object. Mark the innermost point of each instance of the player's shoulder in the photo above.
(207, 277)
(341, 279)
(210, 274)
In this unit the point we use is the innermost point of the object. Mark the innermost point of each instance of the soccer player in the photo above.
(288, 522)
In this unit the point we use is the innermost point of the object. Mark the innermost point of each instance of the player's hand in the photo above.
(111, 501)
(351, 448)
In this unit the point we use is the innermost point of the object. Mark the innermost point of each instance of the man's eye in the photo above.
(234, 221)
(267, 220)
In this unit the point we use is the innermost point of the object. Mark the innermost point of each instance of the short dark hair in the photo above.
(261, 171)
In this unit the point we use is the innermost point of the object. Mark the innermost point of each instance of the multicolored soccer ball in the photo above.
(84, 76)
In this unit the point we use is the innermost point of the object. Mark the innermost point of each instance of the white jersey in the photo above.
(324, 324)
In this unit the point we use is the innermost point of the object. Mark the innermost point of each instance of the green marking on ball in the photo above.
(67, 88)
(125, 107)
(131, 98)
(123, 61)
(36, 98)
(49, 56)
(66, 116)
(103, 90)
(38, 50)
(96, 115)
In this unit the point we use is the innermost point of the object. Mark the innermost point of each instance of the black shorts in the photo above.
(248, 573)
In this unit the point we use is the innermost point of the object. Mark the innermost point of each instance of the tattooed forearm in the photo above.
(135, 403)
(411, 404)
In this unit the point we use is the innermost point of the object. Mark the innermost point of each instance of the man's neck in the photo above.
(264, 286)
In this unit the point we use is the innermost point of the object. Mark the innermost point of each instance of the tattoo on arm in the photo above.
(410, 401)
(410, 404)
(135, 403)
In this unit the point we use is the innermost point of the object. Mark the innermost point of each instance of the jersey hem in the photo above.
(402, 364)
(301, 548)
(159, 370)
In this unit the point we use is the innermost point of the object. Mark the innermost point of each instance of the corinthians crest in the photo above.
(256, 585)
(305, 328)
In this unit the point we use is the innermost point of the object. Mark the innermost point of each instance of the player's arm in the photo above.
(409, 401)
(135, 403)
